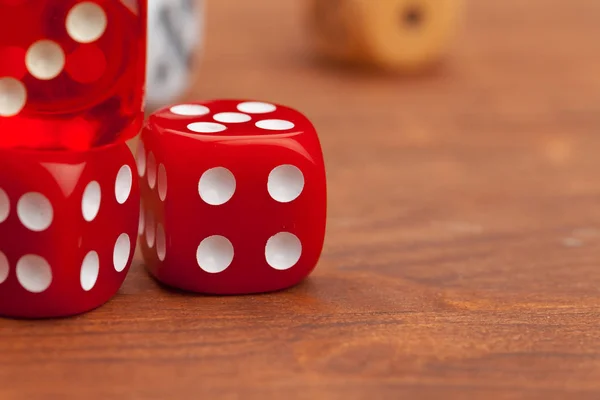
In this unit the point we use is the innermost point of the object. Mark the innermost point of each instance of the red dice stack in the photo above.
(72, 77)
(225, 197)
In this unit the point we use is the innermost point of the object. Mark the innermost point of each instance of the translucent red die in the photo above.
(233, 196)
(68, 225)
(72, 72)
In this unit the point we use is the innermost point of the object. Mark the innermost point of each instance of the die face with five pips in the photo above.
(233, 196)
(68, 223)
(72, 72)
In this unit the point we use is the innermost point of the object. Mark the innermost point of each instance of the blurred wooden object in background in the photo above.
(396, 35)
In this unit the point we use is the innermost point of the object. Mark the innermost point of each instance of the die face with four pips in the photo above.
(233, 196)
(68, 224)
(72, 72)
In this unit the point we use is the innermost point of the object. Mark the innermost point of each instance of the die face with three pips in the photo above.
(72, 72)
(233, 196)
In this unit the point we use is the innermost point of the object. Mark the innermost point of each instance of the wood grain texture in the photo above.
(462, 258)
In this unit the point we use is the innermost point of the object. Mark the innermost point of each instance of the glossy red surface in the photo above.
(61, 206)
(184, 198)
(72, 72)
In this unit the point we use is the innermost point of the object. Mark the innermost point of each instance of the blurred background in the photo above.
(526, 62)
(469, 82)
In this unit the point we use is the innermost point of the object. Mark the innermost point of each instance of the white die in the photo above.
(175, 29)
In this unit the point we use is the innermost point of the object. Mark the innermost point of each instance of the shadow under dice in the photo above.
(72, 72)
(68, 223)
(233, 197)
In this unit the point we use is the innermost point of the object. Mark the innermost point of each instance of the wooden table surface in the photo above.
(462, 257)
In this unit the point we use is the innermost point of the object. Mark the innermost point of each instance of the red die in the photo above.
(244, 209)
(68, 223)
(72, 72)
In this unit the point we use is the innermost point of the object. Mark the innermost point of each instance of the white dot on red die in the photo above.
(34, 273)
(206, 127)
(162, 182)
(214, 254)
(13, 97)
(256, 107)
(121, 252)
(191, 110)
(4, 267)
(90, 267)
(35, 211)
(151, 170)
(232, 117)
(150, 229)
(90, 203)
(141, 159)
(275, 124)
(161, 242)
(283, 251)
(45, 59)
(123, 184)
(217, 186)
(4, 206)
(86, 22)
(285, 183)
